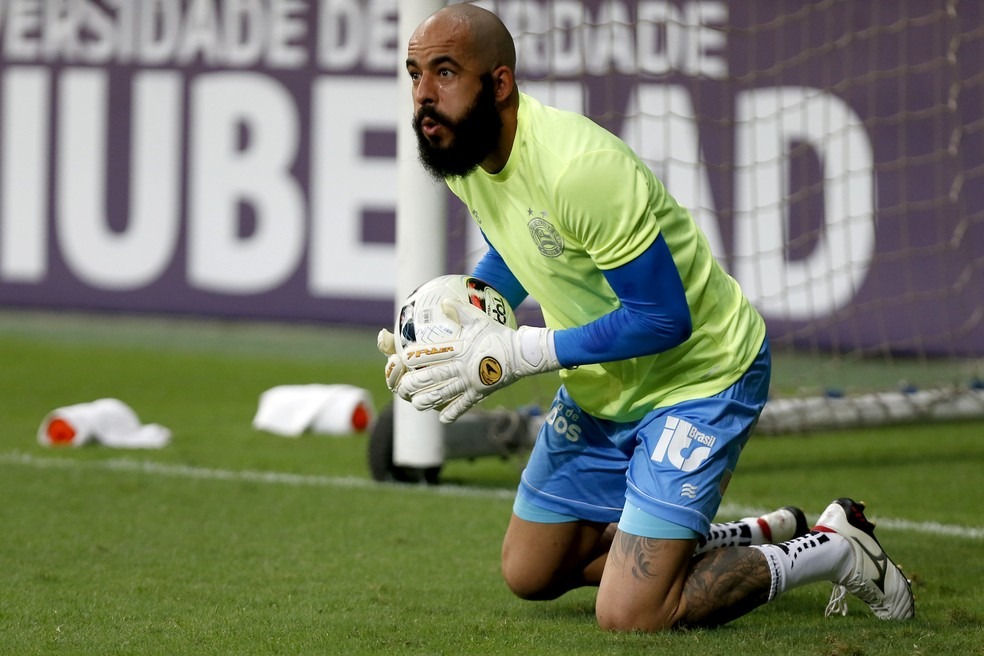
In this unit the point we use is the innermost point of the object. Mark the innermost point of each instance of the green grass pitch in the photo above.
(236, 541)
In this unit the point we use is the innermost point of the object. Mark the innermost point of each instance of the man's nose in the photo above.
(424, 93)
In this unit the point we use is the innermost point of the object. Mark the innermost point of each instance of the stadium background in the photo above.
(179, 157)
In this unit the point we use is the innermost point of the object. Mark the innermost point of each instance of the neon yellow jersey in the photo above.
(573, 201)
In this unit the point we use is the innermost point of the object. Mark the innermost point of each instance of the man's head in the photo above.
(461, 61)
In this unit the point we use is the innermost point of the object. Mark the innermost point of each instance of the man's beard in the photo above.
(474, 136)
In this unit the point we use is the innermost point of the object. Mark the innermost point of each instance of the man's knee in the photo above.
(625, 619)
(643, 585)
(528, 581)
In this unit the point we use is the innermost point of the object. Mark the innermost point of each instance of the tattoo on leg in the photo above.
(721, 585)
(725, 584)
(639, 551)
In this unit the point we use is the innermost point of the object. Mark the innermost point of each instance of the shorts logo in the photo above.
(489, 371)
(564, 421)
(548, 241)
(688, 490)
(677, 445)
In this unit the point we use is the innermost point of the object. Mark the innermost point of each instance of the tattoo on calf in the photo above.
(725, 584)
(721, 585)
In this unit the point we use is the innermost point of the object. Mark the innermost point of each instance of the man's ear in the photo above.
(504, 83)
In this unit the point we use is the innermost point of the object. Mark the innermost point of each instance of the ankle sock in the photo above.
(740, 533)
(816, 556)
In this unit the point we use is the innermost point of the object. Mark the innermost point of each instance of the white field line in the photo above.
(130, 465)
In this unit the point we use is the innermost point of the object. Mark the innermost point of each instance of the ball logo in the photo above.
(489, 371)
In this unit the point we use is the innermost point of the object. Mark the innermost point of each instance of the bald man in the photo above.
(665, 365)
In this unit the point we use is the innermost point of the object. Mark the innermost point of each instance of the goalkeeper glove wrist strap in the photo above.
(536, 348)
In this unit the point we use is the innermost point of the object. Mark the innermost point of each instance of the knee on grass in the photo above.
(626, 619)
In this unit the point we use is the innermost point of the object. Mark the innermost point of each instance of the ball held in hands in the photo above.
(429, 330)
(458, 339)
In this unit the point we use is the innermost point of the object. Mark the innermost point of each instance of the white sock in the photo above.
(816, 556)
(740, 533)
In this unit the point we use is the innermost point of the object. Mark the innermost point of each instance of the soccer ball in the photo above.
(425, 334)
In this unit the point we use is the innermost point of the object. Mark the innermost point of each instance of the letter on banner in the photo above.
(226, 175)
(24, 167)
(768, 120)
(345, 181)
(98, 255)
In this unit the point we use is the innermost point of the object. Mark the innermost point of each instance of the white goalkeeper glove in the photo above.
(492, 356)
(386, 343)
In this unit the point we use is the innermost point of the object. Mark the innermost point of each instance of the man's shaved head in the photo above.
(480, 31)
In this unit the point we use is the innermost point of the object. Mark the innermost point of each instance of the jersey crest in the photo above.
(548, 241)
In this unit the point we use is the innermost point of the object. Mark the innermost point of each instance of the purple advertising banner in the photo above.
(238, 159)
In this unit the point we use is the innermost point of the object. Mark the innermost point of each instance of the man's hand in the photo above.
(395, 368)
(493, 356)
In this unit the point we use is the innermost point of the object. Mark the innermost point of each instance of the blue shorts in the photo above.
(674, 464)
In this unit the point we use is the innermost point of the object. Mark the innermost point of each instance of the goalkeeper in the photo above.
(664, 363)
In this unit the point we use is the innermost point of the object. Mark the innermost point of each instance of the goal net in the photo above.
(831, 151)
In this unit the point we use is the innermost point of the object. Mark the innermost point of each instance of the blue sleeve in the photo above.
(654, 316)
(493, 270)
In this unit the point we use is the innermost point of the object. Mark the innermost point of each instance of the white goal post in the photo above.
(421, 235)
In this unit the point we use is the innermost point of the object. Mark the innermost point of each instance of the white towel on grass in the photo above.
(291, 410)
(108, 422)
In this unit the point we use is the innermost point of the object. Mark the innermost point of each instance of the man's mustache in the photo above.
(429, 112)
